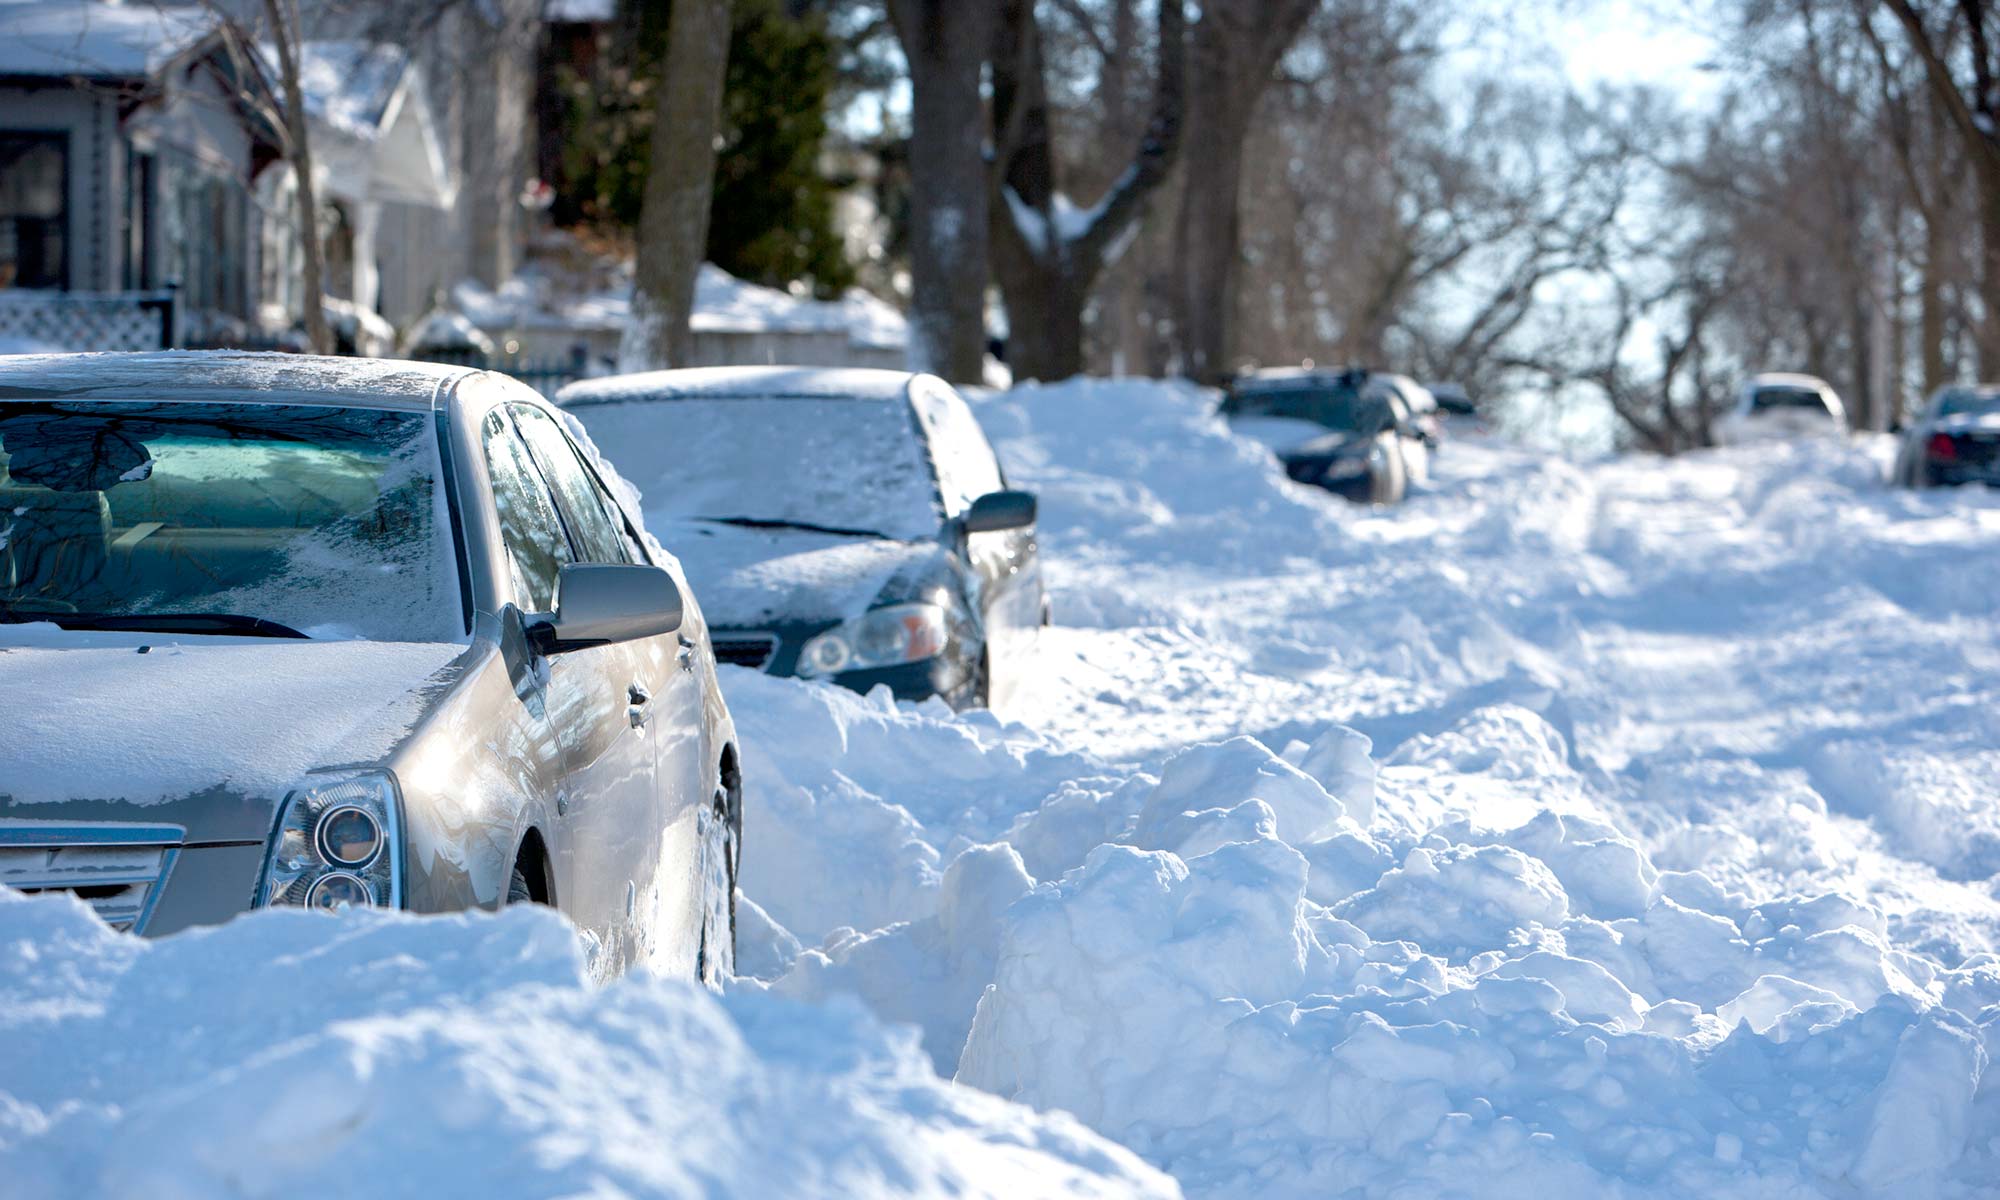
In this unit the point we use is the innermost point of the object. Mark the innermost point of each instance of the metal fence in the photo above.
(88, 320)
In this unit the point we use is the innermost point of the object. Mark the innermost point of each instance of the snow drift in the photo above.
(288, 1053)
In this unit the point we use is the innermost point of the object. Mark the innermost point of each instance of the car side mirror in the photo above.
(600, 603)
(997, 511)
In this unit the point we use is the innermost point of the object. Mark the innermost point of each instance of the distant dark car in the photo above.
(1956, 440)
(1364, 435)
(848, 525)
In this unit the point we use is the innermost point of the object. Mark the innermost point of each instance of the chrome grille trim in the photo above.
(753, 650)
(119, 870)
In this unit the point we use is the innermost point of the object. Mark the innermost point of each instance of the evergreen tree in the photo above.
(773, 218)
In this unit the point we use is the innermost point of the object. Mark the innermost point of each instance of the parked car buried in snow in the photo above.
(1782, 407)
(847, 525)
(1364, 435)
(335, 633)
(1955, 441)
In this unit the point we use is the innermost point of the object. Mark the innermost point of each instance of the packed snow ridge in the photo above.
(1620, 828)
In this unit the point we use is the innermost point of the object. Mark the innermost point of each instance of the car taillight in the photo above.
(1941, 447)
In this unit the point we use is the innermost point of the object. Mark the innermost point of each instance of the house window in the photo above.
(139, 266)
(34, 224)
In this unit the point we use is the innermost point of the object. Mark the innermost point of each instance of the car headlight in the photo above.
(338, 845)
(882, 637)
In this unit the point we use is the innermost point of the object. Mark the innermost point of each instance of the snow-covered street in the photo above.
(1575, 829)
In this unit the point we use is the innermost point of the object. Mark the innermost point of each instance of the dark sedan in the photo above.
(848, 525)
(1363, 435)
(1955, 441)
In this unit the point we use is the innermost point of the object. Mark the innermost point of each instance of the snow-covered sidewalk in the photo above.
(1624, 828)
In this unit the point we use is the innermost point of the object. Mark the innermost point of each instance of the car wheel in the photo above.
(715, 960)
(518, 891)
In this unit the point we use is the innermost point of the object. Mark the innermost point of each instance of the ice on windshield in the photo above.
(827, 462)
(317, 518)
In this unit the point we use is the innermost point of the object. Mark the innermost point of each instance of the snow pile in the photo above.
(1588, 839)
(542, 298)
(289, 1053)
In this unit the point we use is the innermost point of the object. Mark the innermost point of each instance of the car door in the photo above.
(1005, 563)
(600, 847)
(655, 828)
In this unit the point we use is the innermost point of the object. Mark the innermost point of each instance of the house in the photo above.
(383, 180)
(128, 155)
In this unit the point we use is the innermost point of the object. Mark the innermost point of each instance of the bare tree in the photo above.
(1048, 252)
(283, 16)
(946, 43)
(1233, 51)
(1961, 57)
(673, 219)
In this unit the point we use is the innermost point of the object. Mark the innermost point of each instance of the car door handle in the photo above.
(637, 694)
(637, 697)
(685, 657)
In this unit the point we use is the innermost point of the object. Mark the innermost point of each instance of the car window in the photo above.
(1337, 407)
(966, 466)
(583, 505)
(1770, 398)
(321, 518)
(536, 545)
(1968, 400)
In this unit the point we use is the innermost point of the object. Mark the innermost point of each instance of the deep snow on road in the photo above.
(1622, 828)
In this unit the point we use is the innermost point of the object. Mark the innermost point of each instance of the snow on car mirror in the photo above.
(996, 511)
(598, 603)
(73, 454)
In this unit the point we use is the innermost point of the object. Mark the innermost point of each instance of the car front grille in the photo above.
(118, 870)
(753, 650)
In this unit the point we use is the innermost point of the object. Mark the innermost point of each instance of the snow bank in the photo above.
(1573, 830)
(290, 1052)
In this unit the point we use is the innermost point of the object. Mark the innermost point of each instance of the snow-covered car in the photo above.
(280, 630)
(1955, 441)
(1364, 435)
(842, 524)
(1782, 407)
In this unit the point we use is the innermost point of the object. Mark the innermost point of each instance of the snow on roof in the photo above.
(198, 374)
(715, 383)
(349, 84)
(722, 304)
(1787, 379)
(104, 41)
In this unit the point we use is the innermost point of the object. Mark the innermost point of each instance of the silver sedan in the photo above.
(336, 633)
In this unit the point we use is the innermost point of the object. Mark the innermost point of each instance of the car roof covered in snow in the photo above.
(1788, 379)
(208, 375)
(742, 383)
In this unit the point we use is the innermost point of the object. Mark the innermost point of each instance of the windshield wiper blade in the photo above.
(231, 623)
(808, 526)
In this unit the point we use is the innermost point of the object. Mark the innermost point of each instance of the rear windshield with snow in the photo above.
(842, 464)
(1334, 406)
(1968, 400)
(1770, 398)
(319, 519)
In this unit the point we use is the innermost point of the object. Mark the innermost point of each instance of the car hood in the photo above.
(204, 732)
(746, 578)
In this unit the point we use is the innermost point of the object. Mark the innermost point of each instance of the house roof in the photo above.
(373, 129)
(64, 38)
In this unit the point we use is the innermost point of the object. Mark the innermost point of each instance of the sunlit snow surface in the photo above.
(1669, 873)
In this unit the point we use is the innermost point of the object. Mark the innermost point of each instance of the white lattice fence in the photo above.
(87, 321)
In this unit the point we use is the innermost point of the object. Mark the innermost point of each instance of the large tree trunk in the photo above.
(673, 219)
(1987, 170)
(1231, 55)
(1047, 257)
(946, 43)
(298, 151)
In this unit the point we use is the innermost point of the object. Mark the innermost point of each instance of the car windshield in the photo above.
(1768, 398)
(841, 465)
(259, 518)
(1338, 407)
(1969, 400)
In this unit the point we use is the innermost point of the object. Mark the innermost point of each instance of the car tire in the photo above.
(518, 891)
